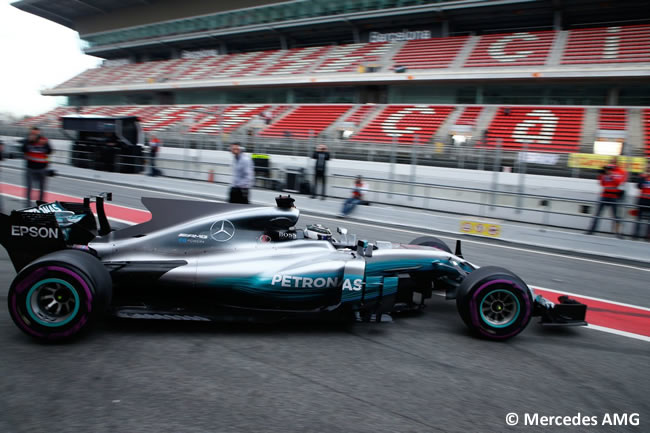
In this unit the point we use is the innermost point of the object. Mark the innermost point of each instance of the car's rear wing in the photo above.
(30, 233)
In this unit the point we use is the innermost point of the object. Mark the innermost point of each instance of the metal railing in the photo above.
(436, 152)
(518, 206)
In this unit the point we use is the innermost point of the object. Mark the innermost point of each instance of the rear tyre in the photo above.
(494, 303)
(430, 241)
(59, 295)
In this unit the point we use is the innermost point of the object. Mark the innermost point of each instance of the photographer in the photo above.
(360, 188)
(36, 150)
(612, 179)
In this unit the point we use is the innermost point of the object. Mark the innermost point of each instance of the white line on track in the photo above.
(617, 332)
(592, 298)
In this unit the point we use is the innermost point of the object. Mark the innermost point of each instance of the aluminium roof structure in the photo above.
(67, 12)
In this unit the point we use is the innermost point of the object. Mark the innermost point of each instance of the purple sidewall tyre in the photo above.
(494, 303)
(80, 278)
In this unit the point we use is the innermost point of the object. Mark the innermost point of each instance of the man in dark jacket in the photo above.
(36, 150)
(321, 155)
(243, 175)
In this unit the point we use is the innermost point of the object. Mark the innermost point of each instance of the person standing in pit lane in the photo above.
(242, 175)
(612, 179)
(644, 205)
(36, 150)
(154, 147)
(321, 155)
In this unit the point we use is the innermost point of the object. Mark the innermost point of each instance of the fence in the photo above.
(491, 202)
(436, 152)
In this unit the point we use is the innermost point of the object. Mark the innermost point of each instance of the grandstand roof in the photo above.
(67, 12)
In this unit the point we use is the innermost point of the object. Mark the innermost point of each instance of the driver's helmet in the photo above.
(318, 231)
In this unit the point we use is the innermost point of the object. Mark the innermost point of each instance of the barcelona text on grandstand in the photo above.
(404, 35)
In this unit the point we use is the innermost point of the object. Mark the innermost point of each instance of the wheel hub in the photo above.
(53, 302)
(499, 308)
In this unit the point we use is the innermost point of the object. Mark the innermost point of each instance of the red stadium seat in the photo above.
(429, 53)
(646, 130)
(612, 118)
(608, 45)
(403, 123)
(306, 121)
(512, 49)
(537, 129)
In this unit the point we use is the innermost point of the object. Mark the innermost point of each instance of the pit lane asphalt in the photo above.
(420, 373)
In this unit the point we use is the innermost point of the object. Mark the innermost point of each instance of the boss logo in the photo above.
(35, 232)
(287, 236)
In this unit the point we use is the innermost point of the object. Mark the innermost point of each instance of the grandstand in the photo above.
(536, 75)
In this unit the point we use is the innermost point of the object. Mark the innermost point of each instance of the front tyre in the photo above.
(59, 295)
(494, 303)
(430, 241)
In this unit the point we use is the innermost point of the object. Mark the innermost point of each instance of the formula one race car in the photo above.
(199, 260)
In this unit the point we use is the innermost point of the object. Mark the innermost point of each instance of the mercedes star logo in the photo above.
(222, 231)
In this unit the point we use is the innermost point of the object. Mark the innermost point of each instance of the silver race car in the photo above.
(198, 260)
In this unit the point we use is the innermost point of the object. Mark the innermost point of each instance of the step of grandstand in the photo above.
(429, 53)
(403, 123)
(512, 49)
(204, 67)
(608, 45)
(357, 116)
(557, 48)
(470, 115)
(227, 119)
(347, 58)
(646, 130)
(306, 121)
(170, 117)
(612, 118)
(296, 61)
(536, 129)
(589, 129)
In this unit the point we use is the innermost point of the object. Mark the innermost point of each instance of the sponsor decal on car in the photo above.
(318, 282)
(192, 238)
(46, 208)
(287, 236)
(35, 232)
(222, 231)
